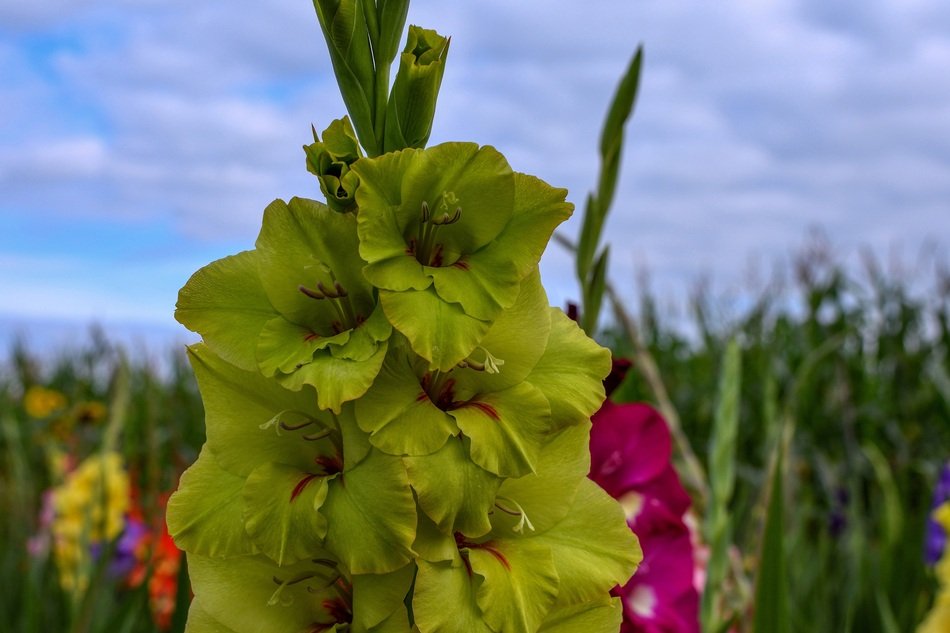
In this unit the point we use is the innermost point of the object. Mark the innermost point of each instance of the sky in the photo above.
(142, 139)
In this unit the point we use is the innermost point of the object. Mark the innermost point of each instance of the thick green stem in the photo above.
(381, 100)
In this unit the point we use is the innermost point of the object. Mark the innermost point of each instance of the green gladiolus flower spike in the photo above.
(397, 420)
(280, 477)
(297, 307)
(448, 234)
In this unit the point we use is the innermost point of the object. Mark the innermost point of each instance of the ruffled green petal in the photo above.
(507, 428)
(482, 291)
(365, 339)
(336, 380)
(305, 243)
(521, 583)
(200, 622)
(226, 303)
(438, 331)
(599, 616)
(284, 347)
(204, 515)
(381, 223)
(280, 512)
(538, 209)
(371, 516)
(243, 415)
(398, 273)
(378, 596)
(545, 497)
(571, 372)
(455, 492)
(592, 546)
(444, 599)
(516, 341)
(398, 413)
(252, 594)
(431, 543)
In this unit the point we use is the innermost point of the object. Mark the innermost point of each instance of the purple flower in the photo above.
(128, 549)
(630, 459)
(936, 539)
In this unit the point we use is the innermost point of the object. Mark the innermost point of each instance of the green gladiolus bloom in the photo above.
(252, 594)
(526, 579)
(279, 463)
(330, 159)
(297, 307)
(448, 234)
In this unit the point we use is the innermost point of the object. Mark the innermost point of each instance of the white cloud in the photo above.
(755, 121)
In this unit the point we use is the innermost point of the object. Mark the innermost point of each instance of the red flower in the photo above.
(159, 564)
(163, 585)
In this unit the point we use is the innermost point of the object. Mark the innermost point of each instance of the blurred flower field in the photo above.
(92, 447)
(849, 373)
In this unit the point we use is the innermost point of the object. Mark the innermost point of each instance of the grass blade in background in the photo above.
(771, 585)
(722, 476)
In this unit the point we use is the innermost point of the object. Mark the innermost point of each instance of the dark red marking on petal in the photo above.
(331, 464)
(312, 336)
(338, 610)
(446, 396)
(461, 543)
(498, 556)
(422, 397)
(484, 407)
(301, 485)
(461, 265)
(436, 259)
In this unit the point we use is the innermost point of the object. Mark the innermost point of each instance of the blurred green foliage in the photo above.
(849, 369)
(853, 364)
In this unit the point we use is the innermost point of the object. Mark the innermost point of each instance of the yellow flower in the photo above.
(89, 508)
(90, 412)
(41, 402)
(942, 516)
(938, 620)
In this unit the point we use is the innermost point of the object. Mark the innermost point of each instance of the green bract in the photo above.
(397, 421)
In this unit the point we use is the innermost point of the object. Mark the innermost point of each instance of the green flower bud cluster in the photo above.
(362, 38)
(330, 159)
(397, 421)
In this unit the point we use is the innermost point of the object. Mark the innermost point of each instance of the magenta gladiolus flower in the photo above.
(630, 458)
